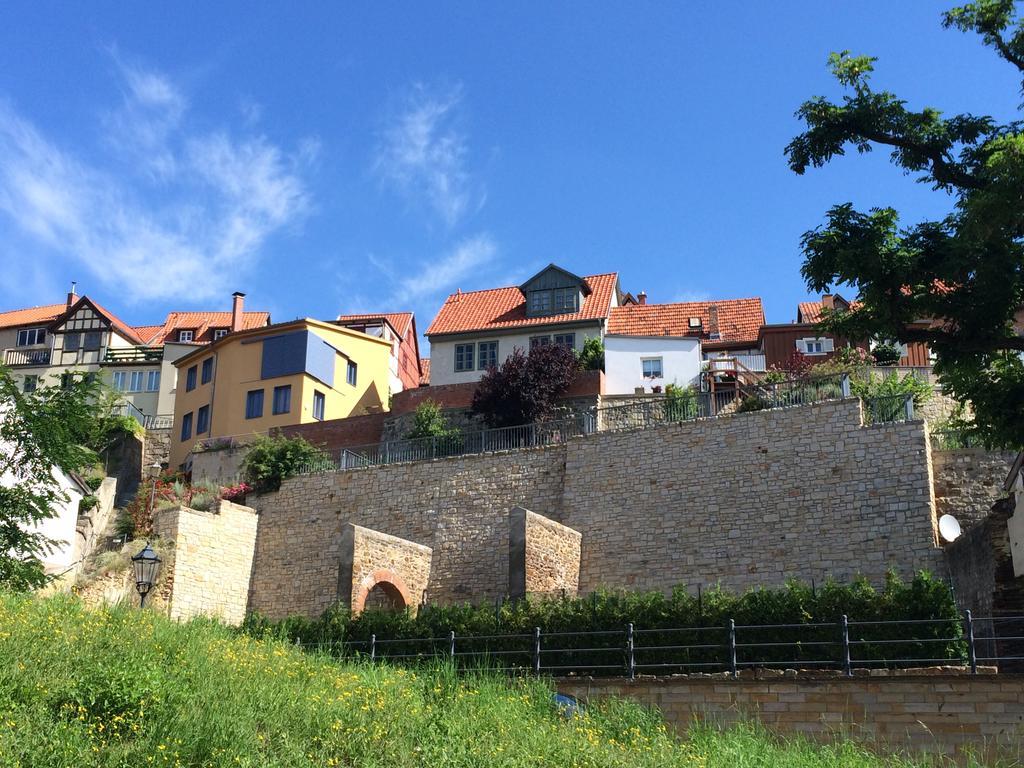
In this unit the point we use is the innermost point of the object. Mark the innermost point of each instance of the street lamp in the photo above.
(153, 471)
(145, 564)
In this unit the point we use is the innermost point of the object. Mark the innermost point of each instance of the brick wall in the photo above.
(747, 500)
(969, 481)
(213, 556)
(336, 434)
(544, 556)
(930, 713)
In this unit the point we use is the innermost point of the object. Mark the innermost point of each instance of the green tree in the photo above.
(964, 273)
(592, 355)
(270, 460)
(39, 431)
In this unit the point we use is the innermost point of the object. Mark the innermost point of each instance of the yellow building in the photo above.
(249, 382)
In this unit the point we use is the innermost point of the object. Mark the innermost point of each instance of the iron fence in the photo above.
(126, 408)
(843, 646)
(888, 409)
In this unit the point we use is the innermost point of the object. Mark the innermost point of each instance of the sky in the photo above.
(330, 158)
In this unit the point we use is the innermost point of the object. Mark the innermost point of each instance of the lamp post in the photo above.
(153, 472)
(145, 565)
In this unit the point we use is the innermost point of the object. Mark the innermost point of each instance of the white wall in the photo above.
(680, 362)
(442, 351)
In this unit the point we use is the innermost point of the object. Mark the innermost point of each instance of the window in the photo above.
(488, 356)
(92, 341)
(186, 426)
(318, 405)
(135, 382)
(652, 368)
(463, 357)
(539, 341)
(540, 302)
(254, 404)
(120, 381)
(351, 373)
(566, 340)
(203, 420)
(815, 346)
(207, 370)
(72, 341)
(30, 384)
(30, 336)
(185, 335)
(282, 399)
(564, 299)
(153, 381)
(190, 379)
(220, 333)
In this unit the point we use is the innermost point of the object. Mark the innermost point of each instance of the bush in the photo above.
(87, 502)
(271, 460)
(591, 357)
(891, 387)
(754, 403)
(610, 611)
(524, 388)
(681, 403)
(428, 420)
(92, 483)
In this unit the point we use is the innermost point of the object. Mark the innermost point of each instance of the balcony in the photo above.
(22, 356)
(134, 355)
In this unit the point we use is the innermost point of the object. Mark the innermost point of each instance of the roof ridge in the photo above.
(460, 292)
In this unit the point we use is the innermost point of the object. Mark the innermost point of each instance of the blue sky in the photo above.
(330, 158)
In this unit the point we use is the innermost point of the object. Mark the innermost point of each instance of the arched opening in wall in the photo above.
(384, 596)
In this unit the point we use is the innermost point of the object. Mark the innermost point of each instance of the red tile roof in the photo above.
(203, 324)
(148, 332)
(809, 311)
(399, 320)
(424, 371)
(33, 315)
(501, 308)
(739, 320)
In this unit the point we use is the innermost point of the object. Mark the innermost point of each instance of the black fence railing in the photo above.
(843, 645)
(888, 409)
(686, 406)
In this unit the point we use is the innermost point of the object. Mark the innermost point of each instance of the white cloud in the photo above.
(192, 222)
(465, 261)
(423, 154)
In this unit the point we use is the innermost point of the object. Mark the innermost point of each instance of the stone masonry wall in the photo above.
(544, 556)
(969, 481)
(752, 500)
(156, 447)
(370, 558)
(747, 500)
(213, 557)
(458, 507)
(925, 713)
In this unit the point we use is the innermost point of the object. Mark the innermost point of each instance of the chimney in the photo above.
(237, 305)
(828, 301)
(713, 322)
(641, 298)
(72, 295)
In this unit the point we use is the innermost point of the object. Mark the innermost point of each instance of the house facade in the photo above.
(780, 341)
(399, 330)
(478, 329)
(249, 382)
(649, 346)
(42, 343)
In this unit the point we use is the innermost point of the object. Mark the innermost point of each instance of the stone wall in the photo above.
(544, 556)
(752, 500)
(969, 481)
(220, 465)
(458, 507)
(213, 558)
(370, 559)
(928, 713)
(156, 447)
(91, 524)
(746, 500)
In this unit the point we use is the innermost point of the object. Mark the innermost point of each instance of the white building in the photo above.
(649, 363)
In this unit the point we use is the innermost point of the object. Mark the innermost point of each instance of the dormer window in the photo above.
(695, 322)
(553, 291)
(220, 333)
(186, 336)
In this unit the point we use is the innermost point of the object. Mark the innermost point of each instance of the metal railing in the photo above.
(134, 355)
(14, 357)
(843, 645)
(722, 363)
(889, 409)
(127, 408)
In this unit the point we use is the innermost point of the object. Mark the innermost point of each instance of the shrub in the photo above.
(235, 493)
(87, 502)
(754, 403)
(891, 386)
(271, 460)
(591, 357)
(681, 402)
(92, 483)
(428, 420)
(524, 388)
(886, 354)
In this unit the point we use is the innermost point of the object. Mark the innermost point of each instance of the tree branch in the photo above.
(942, 169)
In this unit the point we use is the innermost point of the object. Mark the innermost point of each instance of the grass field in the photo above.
(122, 687)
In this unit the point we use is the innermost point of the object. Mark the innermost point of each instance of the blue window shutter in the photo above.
(186, 426)
(254, 404)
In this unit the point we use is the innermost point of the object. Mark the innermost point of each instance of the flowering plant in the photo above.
(235, 492)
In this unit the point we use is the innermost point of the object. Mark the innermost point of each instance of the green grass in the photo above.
(121, 687)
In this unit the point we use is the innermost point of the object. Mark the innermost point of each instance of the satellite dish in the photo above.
(949, 528)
